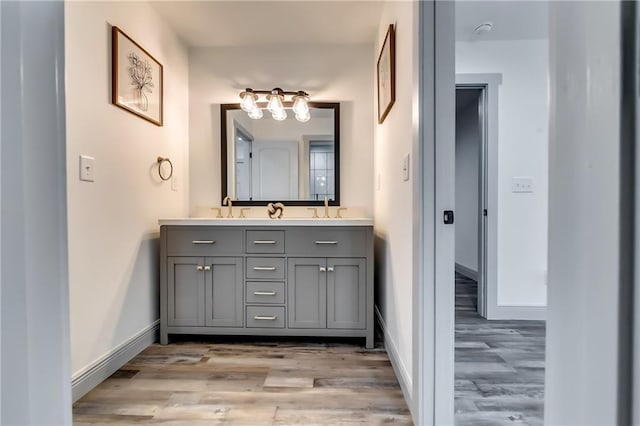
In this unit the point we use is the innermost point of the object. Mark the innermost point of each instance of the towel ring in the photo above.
(160, 161)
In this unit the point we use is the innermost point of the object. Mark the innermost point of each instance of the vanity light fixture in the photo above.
(276, 104)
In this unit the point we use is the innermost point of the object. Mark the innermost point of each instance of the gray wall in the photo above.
(467, 178)
(36, 385)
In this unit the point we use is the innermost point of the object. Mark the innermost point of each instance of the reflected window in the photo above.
(321, 170)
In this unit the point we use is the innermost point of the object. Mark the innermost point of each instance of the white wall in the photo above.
(394, 197)
(328, 73)
(522, 151)
(35, 386)
(584, 215)
(113, 230)
(468, 141)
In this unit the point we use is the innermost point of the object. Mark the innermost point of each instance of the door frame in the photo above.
(488, 225)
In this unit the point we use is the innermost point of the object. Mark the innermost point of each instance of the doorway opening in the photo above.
(471, 196)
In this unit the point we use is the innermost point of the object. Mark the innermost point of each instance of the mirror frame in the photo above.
(335, 106)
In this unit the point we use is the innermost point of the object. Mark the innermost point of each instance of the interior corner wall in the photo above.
(394, 197)
(113, 222)
(329, 73)
(523, 148)
(468, 143)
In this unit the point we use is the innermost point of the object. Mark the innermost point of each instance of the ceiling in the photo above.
(512, 20)
(311, 22)
(256, 23)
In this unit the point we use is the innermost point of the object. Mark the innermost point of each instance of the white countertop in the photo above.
(252, 221)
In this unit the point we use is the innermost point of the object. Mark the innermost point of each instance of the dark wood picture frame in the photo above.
(386, 72)
(139, 91)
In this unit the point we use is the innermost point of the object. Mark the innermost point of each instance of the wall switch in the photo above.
(174, 182)
(522, 184)
(86, 168)
(405, 167)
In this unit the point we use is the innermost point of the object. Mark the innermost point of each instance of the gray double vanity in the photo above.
(289, 277)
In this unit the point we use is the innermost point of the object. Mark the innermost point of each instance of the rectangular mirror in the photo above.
(266, 160)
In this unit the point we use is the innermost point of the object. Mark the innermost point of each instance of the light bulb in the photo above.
(279, 115)
(248, 101)
(275, 102)
(256, 114)
(303, 118)
(300, 106)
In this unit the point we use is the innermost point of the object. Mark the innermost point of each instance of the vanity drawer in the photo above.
(265, 241)
(265, 268)
(203, 241)
(327, 242)
(265, 292)
(265, 316)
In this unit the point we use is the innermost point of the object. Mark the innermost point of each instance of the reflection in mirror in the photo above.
(267, 160)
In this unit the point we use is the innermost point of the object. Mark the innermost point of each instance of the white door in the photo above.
(275, 170)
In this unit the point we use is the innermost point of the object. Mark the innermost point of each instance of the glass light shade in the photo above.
(300, 106)
(248, 101)
(303, 118)
(256, 114)
(275, 103)
(279, 115)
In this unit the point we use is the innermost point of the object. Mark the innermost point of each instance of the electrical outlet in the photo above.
(522, 184)
(405, 167)
(87, 168)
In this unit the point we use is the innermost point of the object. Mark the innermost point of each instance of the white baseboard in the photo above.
(467, 272)
(404, 378)
(505, 312)
(101, 369)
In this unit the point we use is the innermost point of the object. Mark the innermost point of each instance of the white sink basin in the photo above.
(252, 221)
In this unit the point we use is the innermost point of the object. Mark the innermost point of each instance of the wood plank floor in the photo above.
(236, 382)
(499, 366)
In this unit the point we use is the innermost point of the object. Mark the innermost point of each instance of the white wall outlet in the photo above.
(87, 168)
(174, 182)
(522, 184)
(405, 167)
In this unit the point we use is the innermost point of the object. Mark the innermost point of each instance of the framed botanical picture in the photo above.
(136, 78)
(387, 75)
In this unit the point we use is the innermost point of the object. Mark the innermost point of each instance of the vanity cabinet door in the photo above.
(307, 293)
(185, 291)
(346, 293)
(224, 292)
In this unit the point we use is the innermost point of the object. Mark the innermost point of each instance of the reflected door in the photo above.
(275, 170)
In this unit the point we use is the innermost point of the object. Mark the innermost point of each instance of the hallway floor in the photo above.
(499, 366)
(249, 383)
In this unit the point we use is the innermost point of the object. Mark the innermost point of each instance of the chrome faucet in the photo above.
(226, 200)
(326, 206)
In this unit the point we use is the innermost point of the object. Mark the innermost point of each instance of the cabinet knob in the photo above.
(323, 269)
(207, 268)
(330, 269)
(199, 268)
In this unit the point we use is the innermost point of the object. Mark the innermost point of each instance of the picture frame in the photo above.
(386, 71)
(136, 78)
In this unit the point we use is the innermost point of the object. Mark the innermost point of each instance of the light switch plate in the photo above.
(522, 184)
(87, 168)
(405, 167)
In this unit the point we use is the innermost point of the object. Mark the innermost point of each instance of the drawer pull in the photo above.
(264, 293)
(262, 318)
(264, 242)
(203, 242)
(327, 242)
(264, 268)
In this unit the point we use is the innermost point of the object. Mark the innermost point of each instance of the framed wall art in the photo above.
(387, 75)
(136, 78)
